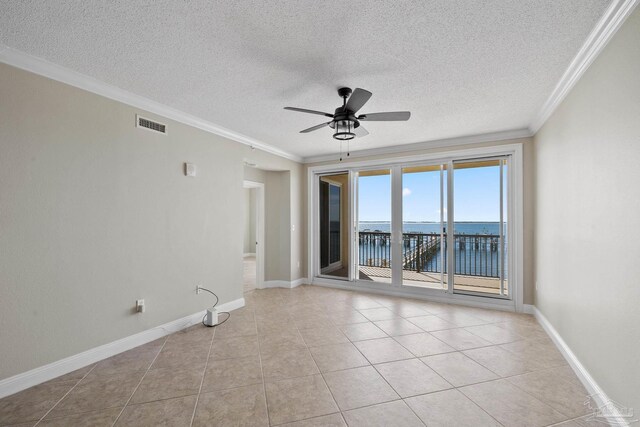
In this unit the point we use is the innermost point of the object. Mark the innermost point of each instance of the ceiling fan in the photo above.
(344, 120)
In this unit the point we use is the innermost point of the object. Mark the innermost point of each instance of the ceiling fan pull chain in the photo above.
(340, 150)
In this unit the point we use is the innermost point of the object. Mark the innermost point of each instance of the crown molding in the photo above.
(417, 146)
(605, 29)
(33, 64)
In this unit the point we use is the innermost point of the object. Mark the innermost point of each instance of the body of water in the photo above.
(477, 256)
(434, 227)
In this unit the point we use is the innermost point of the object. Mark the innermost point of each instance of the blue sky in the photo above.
(476, 192)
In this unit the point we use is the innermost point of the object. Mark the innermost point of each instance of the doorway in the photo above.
(253, 236)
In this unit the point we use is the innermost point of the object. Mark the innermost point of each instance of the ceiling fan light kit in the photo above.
(344, 121)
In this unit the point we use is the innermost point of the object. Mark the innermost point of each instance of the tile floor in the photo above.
(315, 356)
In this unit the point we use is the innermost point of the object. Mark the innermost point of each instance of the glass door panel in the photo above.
(374, 225)
(333, 225)
(479, 207)
(424, 224)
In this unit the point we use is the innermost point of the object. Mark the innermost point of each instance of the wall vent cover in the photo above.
(151, 125)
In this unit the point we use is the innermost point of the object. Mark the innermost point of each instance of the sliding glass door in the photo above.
(424, 226)
(480, 226)
(441, 227)
(333, 225)
(374, 226)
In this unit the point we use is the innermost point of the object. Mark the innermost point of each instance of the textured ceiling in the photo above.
(460, 67)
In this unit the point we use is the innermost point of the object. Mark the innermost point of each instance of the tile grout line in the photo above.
(66, 394)
(139, 382)
(264, 384)
(204, 373)
(321, 373)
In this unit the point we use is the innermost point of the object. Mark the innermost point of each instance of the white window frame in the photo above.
(515, 199)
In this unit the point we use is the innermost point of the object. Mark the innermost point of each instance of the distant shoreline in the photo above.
(430, 222)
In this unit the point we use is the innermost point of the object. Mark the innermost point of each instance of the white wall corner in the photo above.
(47, 372)
(528, 308)
(598, 395)
(612, 19)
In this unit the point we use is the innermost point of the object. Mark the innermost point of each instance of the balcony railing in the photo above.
(475, 255)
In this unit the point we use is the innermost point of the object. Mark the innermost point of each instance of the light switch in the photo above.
(189, 169)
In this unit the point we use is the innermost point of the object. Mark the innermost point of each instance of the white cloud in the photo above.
(406, 192)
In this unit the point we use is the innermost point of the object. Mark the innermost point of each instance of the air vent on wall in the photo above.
(141, 122)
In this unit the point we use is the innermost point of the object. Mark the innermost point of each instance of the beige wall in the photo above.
(95, 213)
(587, 218)
(528, 196)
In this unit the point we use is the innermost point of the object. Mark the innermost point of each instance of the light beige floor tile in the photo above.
(411, 377)
(381, 313)
(98, 392)
(102, 418)
(431, 323)
(274, 343)
(362, 331)
(230, 348)
(383, 350)
(228, 373)
(511, 406)
(312, 321)
(327, 334)
(168, 383)
(359, 387)
(243, 406)
(458, 317)
(450, 408)
(494, 334)
(333, 420)
(501, 361)
(395, 327)
(288, 364)
(298, 399)
(31, 404)
(347, 317)
(395, 414)
(458, 369)
(423, 344)
(336, 357)
(408, 310)
(460, 339)
(562, 394)
(172, 412)
(178, 358)
(361, 302)
(238, 328)
(543, 352)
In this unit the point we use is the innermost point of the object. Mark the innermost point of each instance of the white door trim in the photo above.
(259, 219)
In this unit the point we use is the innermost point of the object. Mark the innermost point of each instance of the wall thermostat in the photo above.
(189, 169)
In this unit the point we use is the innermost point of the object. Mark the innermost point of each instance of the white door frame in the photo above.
(516, 228)
(259, 219)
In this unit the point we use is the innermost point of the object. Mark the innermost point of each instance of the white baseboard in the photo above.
(528, 308)
(595, 392)
(44, 373)
(248, 254)
(284, 283)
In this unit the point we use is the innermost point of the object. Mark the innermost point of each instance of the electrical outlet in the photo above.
(197, 289)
